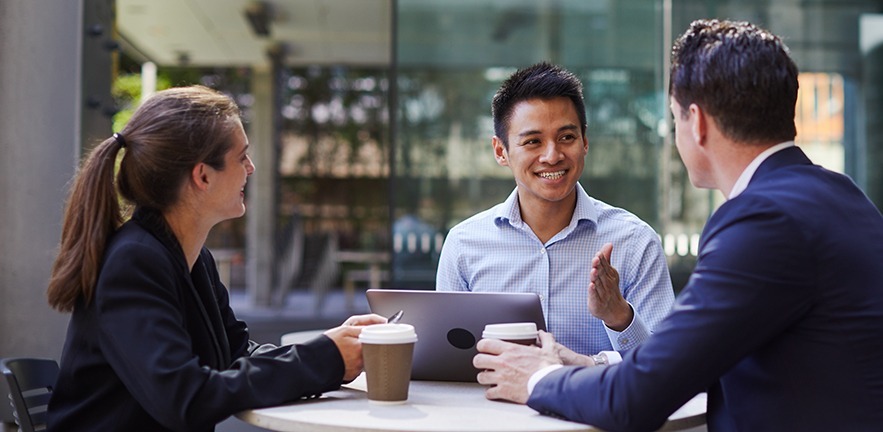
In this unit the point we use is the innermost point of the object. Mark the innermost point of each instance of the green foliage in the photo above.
(126, 92)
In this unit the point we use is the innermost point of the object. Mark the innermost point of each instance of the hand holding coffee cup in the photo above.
(523, 333)
(387, 350)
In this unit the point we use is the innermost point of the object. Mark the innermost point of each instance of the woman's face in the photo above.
(228, 188)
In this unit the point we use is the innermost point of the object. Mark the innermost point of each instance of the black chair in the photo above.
(7, 420)
(31, 381)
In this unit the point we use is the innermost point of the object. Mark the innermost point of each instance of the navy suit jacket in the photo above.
(159, 348)
(781, 321)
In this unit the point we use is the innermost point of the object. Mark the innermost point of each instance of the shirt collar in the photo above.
(745, 177)
(511, 211)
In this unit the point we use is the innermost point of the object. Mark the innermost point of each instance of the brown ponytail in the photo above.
(91, 215)
(166, 137)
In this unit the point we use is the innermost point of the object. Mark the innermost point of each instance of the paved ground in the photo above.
(300, 312)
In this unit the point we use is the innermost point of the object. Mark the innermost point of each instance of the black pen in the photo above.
(394, 318)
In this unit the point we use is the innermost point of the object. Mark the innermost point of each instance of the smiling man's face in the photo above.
(546, 151)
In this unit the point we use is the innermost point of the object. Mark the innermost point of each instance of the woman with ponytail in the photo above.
(152, 343)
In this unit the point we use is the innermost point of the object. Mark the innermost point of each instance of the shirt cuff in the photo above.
(613, 357)
(632, 336)
(540, 374)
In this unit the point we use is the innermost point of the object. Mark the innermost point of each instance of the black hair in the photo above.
(539, 81)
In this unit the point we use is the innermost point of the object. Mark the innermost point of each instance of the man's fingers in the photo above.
(602, 275)
(601, 261)
(491, 346)
(606, 251)
(505, 391)
(484, 361)
(494, 393)
(485, 377)
(547, 341)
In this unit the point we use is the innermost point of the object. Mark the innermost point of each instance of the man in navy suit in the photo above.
(781, 321)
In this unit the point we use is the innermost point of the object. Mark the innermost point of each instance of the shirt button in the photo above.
(542, 297)
(543, 251)
(623, 341)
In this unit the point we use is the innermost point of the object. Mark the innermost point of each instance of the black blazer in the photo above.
(781, 321)
(159, 348)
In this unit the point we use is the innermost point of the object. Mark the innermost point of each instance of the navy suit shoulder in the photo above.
(788, 278)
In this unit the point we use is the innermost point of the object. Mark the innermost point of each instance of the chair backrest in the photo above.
(31, 381)
(7, 420)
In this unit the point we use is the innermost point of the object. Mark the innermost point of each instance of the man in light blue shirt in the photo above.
(550, 237)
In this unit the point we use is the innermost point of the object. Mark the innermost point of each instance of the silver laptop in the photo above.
(449, 324)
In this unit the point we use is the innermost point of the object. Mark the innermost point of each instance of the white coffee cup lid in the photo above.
(522, 330)
(388, 334)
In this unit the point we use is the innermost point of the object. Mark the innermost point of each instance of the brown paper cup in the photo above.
(531, 341)
(388, 371)
(387, 351)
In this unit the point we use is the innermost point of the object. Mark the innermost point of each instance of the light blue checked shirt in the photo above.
(496, 251)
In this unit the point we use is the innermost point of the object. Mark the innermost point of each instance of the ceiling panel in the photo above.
(216, 32)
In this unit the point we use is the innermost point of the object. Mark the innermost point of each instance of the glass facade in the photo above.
(453, 54)
(377, 164)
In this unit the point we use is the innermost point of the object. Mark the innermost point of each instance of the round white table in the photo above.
(432, 406)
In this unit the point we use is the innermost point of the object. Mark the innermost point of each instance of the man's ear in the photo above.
(500, 152)
(199, 176)
(698, 124)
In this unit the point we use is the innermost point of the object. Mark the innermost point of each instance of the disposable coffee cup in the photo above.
(387, 351)
(523, 333)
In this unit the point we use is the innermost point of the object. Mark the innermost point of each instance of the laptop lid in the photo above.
(449, 324)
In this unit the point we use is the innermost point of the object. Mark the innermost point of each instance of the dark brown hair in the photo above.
(741, 75)
(166, 137)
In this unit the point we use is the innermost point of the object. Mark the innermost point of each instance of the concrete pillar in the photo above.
(261, 196)
(40, 92)
(148, 80)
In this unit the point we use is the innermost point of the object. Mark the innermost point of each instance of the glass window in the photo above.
(452, 56)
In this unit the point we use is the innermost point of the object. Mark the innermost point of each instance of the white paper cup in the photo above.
(524, 333)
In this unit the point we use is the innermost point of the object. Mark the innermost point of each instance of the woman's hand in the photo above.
(346, 338)
(363, 320)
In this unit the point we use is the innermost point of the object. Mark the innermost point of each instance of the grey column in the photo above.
(40, 50)
(261, 194)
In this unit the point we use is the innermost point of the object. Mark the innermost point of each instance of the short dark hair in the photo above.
(741, 75)
(539, 81)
